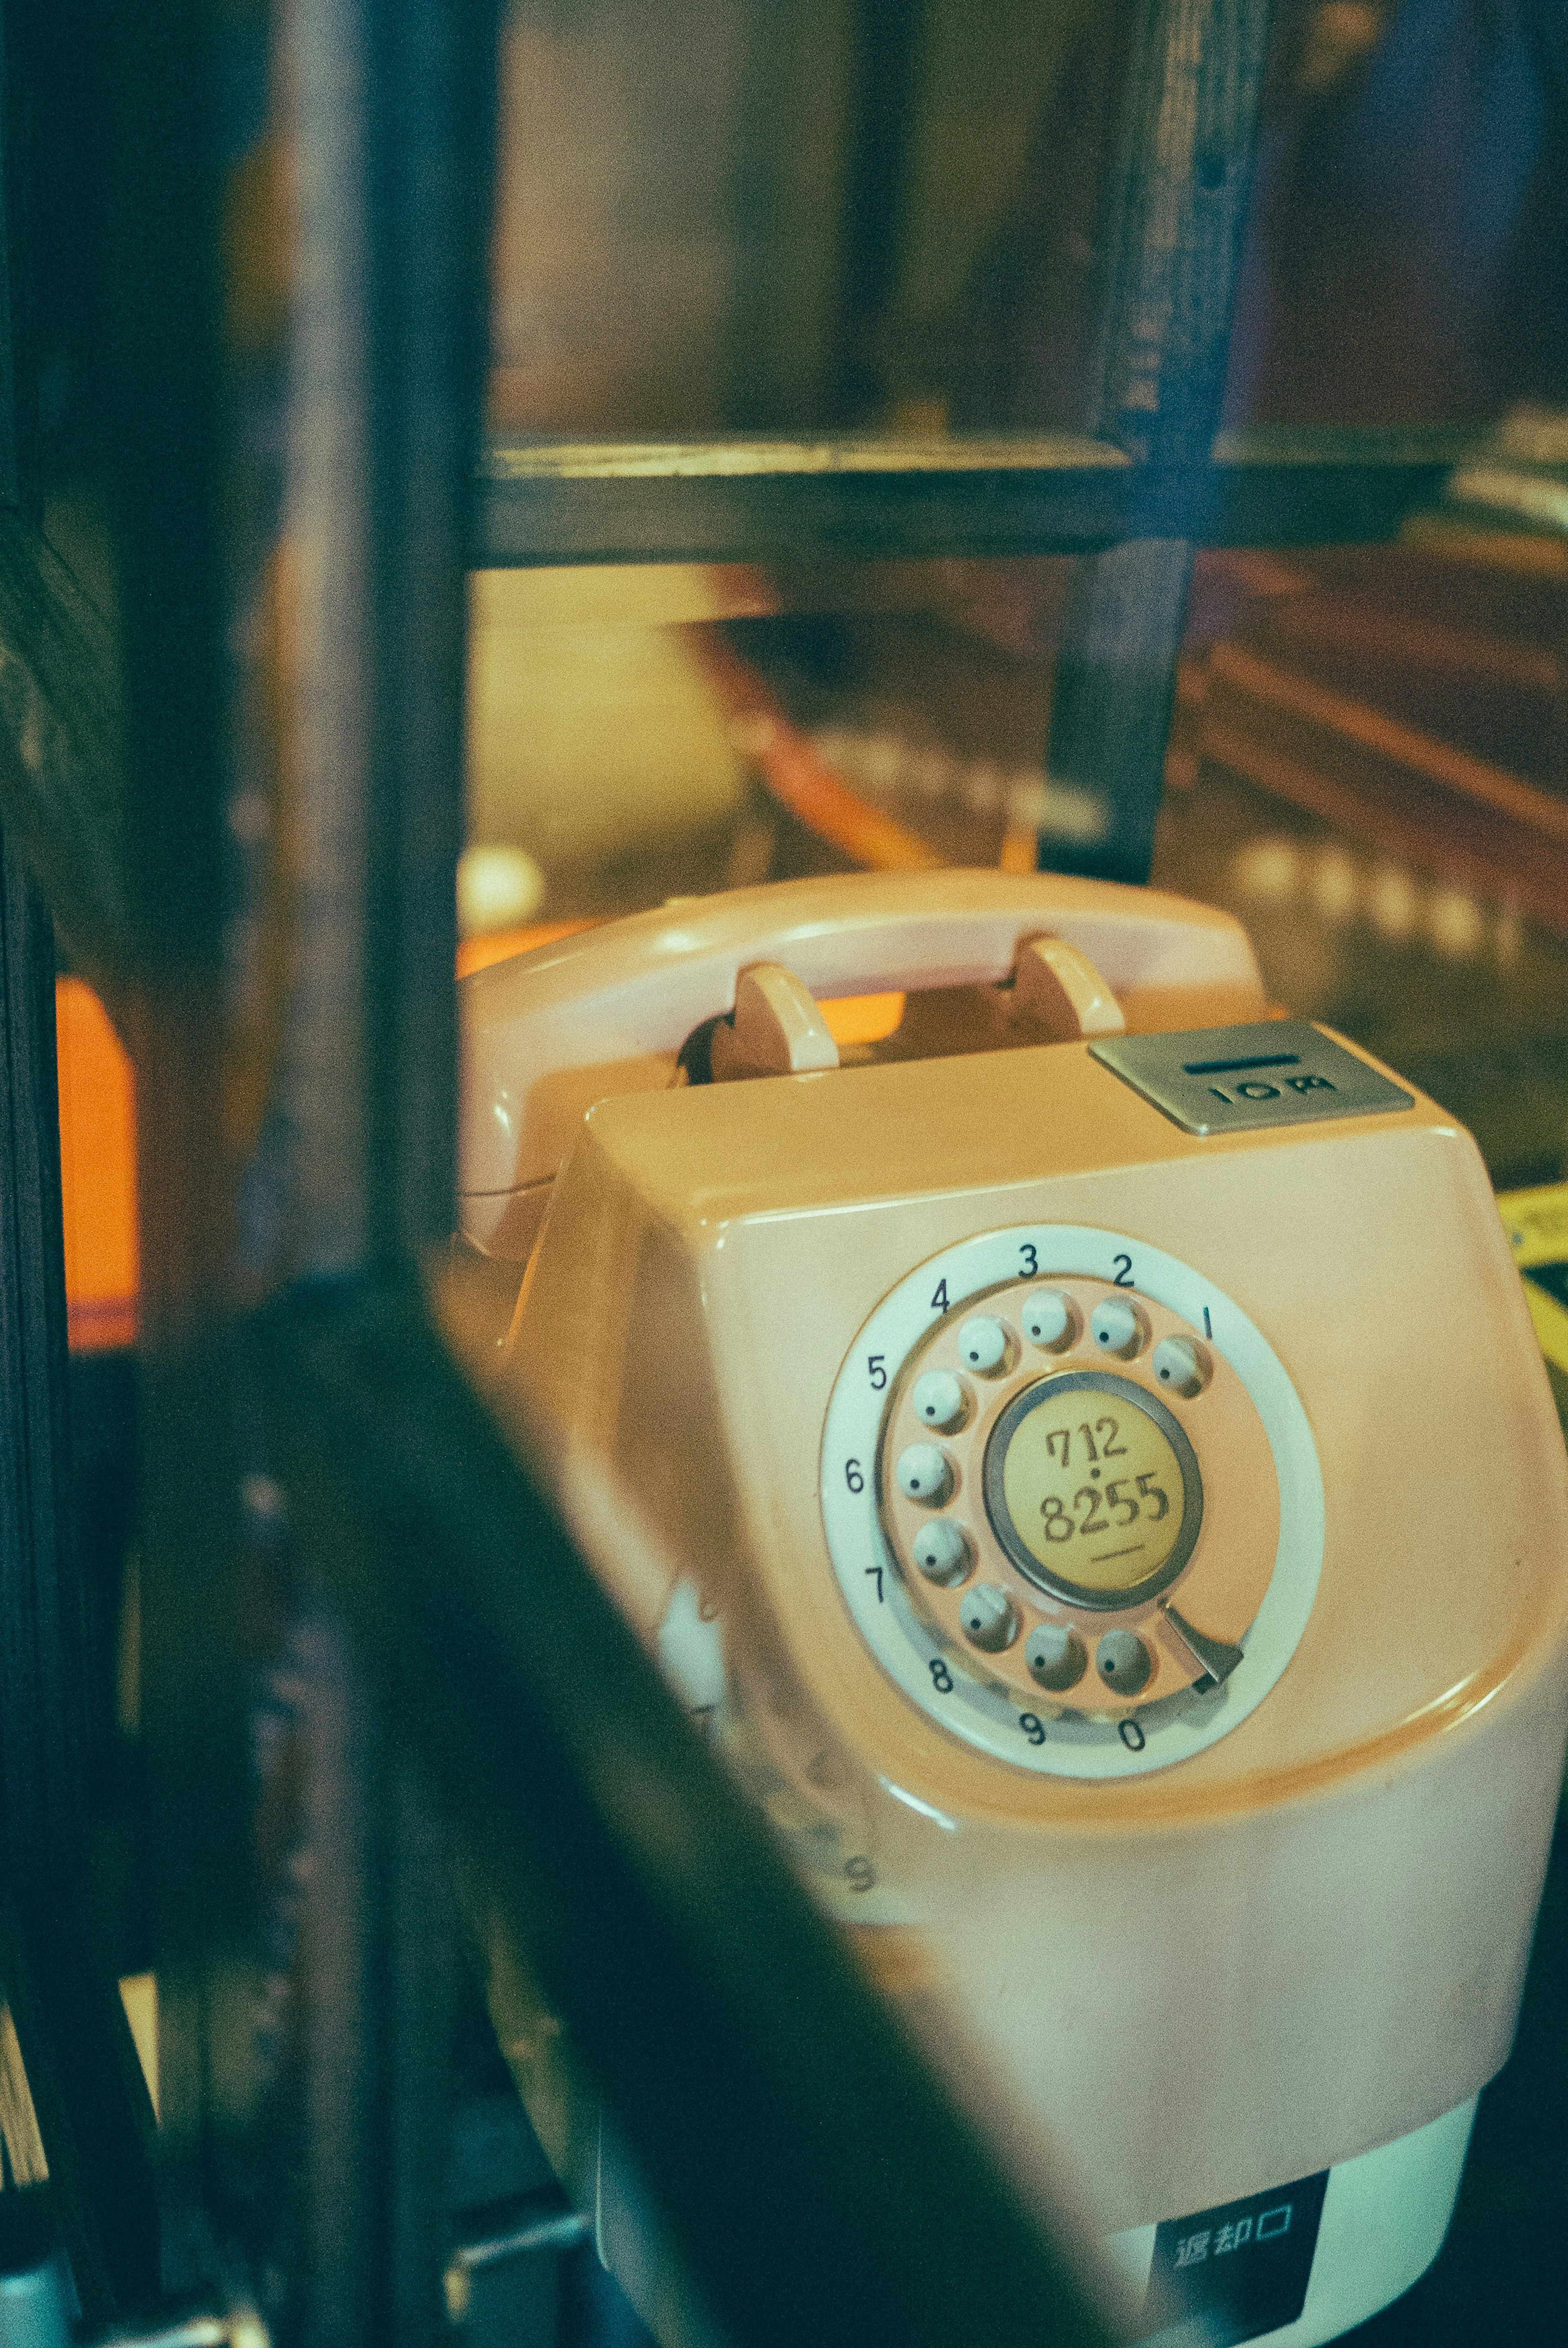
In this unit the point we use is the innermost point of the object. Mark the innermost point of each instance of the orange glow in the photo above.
(1020, 851)
(500, 945)
(98, 1134)
(861, 1018)
(98, 1172)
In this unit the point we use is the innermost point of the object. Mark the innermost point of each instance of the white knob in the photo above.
(925, 1474)
(1116, 1327)
(1055, 1655)
(988, 1617)
(1181, 1364)
(941, 1551)
(1049, 1319)
(1123, 1662)
(983, 1345)
(939, 1399)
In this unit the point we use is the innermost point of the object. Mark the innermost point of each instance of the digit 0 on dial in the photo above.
(1078, 1491)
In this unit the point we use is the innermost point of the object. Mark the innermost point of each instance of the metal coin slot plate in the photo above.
(901, 1615)
(1213, 1080)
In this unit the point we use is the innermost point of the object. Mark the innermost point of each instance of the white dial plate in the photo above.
(1152, 1737)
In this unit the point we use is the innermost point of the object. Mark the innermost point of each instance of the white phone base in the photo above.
(1384, 2217)
(1343, 2245)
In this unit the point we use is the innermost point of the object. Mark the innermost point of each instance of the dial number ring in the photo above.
(914, 1627)
(1219, 1579)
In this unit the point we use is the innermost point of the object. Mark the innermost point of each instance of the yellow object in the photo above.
(1536, 1222)
(588, 743)
(138, 1995)
(861, 1018)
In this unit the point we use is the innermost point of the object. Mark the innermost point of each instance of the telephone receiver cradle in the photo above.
(728, 986)
(1109, 1509)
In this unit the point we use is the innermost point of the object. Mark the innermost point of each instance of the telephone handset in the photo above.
(1085, 1457)
(613, 1010)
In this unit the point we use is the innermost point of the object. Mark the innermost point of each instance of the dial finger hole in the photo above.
(1056, 1656)
(1182, 1365)
(1050, 1320)
(942, 1551)
(988, 1618)
(939, 1399)
(1118, 1327)
(924, 1473)
(1123, 1662)
(983, 1345)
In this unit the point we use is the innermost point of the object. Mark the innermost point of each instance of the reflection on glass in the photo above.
(1400, 264)
(640, 733)
(722, 215)
(779, 216)
(1367, 764)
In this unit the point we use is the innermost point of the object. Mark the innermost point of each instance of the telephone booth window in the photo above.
(823, 220)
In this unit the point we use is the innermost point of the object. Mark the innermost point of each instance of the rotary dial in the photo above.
(1071, 1499)
(1042, 1493)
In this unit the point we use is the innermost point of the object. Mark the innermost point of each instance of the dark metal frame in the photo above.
(452, 1651)
(1064, 493)
(92, 2109)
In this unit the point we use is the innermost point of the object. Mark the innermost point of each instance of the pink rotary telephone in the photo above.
(1085, 1459)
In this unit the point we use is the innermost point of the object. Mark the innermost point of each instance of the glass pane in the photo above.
(1369, 768)
(732, 216)
(1368, 765)
(1406, 259)
(824, 216)
(638, 733)
(728, 216)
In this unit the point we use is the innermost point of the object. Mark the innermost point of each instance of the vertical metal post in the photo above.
(375, 1967)
(391, 142)
(1169, 248)
(296, 1114)
(885, 37)
(166, 386)
(42, 1727)
(12, 376)
(294, 742)
(91, 2107)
